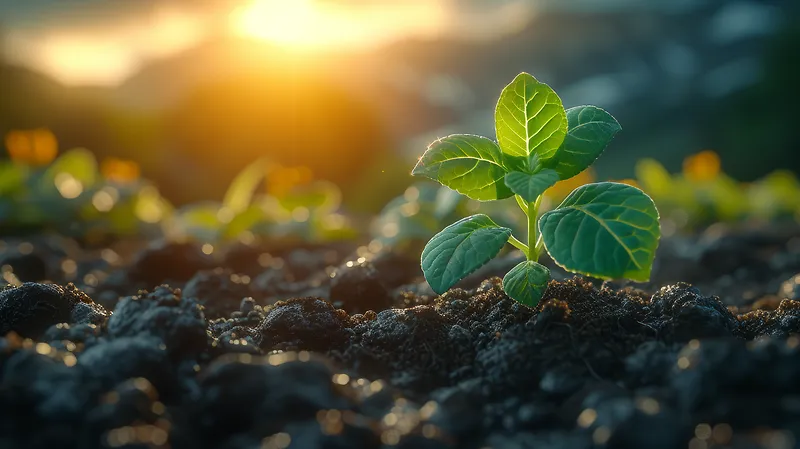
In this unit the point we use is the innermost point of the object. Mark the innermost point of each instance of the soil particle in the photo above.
(680, 313)
(133, 403)
(130, 357)
(311, 324)
(31, 308)
(258, 396)
(220, 291)
(357, 287)
(413, 348)
(178, 322)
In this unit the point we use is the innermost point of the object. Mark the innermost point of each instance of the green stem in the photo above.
(519, 245)
(533, 244)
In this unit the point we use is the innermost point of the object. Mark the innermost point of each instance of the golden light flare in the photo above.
(317, 24)
(106, 53)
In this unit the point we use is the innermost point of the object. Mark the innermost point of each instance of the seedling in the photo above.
(606, 230)
(307, 211)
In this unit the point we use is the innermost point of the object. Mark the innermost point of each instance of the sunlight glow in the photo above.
(105, 55)
(312, 23)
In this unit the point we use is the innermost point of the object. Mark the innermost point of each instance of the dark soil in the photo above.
(335, 347)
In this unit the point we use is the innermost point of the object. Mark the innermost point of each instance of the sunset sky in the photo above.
(104, 41)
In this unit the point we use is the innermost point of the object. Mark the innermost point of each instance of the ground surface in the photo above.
(338, 347)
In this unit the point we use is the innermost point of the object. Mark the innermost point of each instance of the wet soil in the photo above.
(347, 347)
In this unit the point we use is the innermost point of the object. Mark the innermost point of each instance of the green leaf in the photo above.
(12, 177)
(590, 131)
(471, 165)
(460, 249)
(244, 185)
(242, 221)
(530, 187)
(605, 230)
(530, 118)
(527, 282)
(79, 163)
(319, 196)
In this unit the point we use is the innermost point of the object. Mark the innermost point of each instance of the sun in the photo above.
(288, 22)
(328, 24)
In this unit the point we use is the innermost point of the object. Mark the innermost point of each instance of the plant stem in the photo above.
(533, 215)
(519, 245)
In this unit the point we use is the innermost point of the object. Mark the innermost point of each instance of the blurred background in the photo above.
(194, 90)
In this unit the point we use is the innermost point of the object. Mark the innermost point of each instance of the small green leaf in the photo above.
(605, 230)
(78, 163)
(590, 131)
(527, 282)
(471, 165)
(460, 249)
(244, 185)
(530, 187)
(530, 118)
(319, 196)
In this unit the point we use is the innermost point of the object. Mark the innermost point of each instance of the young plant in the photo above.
(605, 230)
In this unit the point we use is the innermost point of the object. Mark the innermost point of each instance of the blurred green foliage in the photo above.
(703, 194)
(292, 209)
(72, 197)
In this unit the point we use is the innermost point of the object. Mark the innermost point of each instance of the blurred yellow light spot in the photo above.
(601, 435)
(697, 443)
(341, 379)
(334, 221)
(207, 248)
(149, 206)
(225, 215)
(702, 431)
(105, 198)
(25, 248)
(722, 433)
(411, 194)
(280, 440)
(390, 230)
(703, 166)
(120, 170)
(33, 147)
(648, 406)
(70, 360)
(587, 417)
(68, 266)
(68, 186)
(301, 214)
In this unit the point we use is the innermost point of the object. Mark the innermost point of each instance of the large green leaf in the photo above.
(460, 249)
(531, 186)
(527, 282)
(471, 165)
(530, 118)
(605, 230)
(590, 131)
